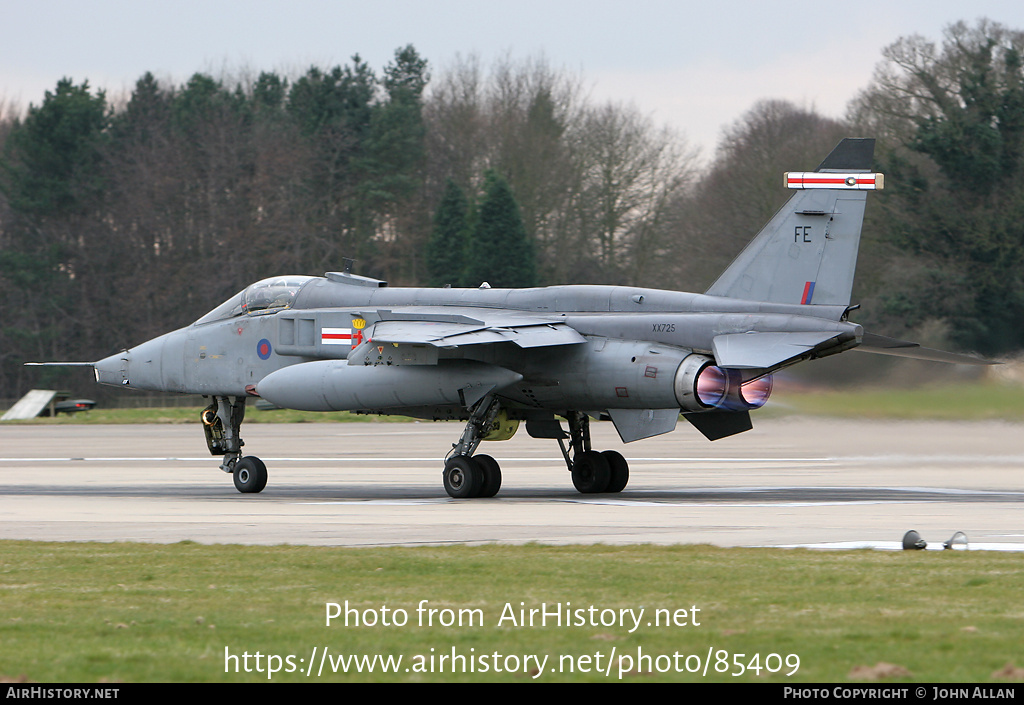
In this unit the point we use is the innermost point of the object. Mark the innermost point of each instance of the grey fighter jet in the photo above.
(496, 358)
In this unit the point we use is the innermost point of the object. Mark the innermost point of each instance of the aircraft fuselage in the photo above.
(633, 342)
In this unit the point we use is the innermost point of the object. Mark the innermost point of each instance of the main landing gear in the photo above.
(466, 475)
(222, 421)
(592, 472)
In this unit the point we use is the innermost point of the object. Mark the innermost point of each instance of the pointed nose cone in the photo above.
(112, 370)
(142, 367)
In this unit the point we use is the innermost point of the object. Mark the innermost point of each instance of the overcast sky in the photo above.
(696, 66)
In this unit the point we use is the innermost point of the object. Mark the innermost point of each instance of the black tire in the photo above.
(491, 475)
(463, 477)
(619, 471)
(590, 472)
(250, 475)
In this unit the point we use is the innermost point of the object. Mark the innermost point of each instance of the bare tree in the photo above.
(592, 181)
(918, 80)
(952, 115)
(742, 188)
(632, 170)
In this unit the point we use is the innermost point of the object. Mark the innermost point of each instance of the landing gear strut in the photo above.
(592, 472)
(222, 421)
(466, 475)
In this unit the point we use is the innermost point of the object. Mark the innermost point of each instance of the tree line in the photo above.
(123, 218)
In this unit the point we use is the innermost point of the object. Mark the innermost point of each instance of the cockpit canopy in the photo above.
(265, 296)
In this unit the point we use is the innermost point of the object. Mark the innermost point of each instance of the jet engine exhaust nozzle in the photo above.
(701, 385)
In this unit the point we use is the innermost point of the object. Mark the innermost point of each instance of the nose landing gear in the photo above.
(222, 422)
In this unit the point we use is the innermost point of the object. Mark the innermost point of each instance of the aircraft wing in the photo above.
(448, 330)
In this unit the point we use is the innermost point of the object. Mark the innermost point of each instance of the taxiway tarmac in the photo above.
(790, 481)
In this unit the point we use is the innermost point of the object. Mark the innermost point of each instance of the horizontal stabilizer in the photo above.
(882, 345)
(766, 350)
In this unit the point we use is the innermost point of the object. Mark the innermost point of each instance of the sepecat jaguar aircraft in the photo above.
(497, 358)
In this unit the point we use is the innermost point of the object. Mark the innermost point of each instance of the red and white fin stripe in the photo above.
(851, 182)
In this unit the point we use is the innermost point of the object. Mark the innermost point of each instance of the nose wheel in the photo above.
(249, 475)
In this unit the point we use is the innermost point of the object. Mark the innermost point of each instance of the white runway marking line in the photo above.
(431, 459)
(844, 488)
(706, 505)
(379, 502)
(936, 459)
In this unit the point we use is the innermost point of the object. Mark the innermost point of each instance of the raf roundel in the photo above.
(263, 349)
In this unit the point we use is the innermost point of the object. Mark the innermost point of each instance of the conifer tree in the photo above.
(446, 250)
(501, 251)
(53, 158)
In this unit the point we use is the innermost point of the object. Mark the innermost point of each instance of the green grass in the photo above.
(127, 612)
(969, 402)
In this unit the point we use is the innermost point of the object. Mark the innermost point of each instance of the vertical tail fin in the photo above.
(807, 253)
